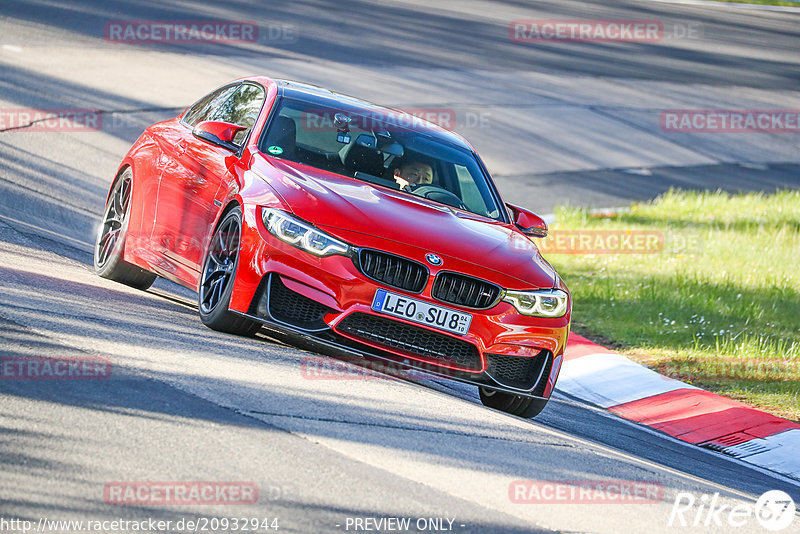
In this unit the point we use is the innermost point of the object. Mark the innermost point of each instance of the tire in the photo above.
(110, 242)
(216, 280)
(518, 405)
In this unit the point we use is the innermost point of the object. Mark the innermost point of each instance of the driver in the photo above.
(413, 173)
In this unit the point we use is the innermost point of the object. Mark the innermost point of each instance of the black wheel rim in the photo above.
(113, 220)
(218, 270)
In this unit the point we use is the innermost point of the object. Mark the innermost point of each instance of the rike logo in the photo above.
(774, 511)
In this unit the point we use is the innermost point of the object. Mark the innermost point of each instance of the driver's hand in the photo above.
(403, 183)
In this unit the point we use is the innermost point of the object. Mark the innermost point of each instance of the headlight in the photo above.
(300, 234)
(541, 303)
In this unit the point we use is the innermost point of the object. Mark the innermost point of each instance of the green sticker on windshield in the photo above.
(274, 149)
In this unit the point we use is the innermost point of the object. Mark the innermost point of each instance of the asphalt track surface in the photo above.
(556, 122)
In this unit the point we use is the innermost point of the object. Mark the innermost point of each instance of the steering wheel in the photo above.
(438, 194)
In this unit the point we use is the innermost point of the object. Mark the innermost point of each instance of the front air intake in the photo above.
(410, 340)
(521, 372)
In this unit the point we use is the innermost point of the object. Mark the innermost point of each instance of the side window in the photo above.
(242, 108)
(202, 109)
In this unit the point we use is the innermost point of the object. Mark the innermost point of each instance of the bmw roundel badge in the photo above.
(433, 259)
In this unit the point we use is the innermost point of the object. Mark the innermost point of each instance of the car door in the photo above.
(166, 192)
(192, 181)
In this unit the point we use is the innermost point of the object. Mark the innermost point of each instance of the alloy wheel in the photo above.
(220, 264)
(113, 220)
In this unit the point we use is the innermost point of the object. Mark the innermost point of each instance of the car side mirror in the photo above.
(528, 222)
(218, 132)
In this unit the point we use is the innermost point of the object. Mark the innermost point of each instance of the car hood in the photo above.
(345, 207)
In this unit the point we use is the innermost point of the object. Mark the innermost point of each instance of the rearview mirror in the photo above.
(218, 132)
(367, 141)
(528, 222)
(394, 149)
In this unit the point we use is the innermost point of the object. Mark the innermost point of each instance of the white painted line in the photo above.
(735, 5)
(784, 457)
(12, 48)
(611, 379)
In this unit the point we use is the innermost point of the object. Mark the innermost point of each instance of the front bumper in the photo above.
(327, 302)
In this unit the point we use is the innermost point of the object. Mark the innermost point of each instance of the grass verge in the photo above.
(716, 301)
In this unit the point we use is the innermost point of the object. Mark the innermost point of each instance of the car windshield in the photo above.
(385, 149)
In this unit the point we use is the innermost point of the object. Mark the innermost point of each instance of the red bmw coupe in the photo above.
(356, 226)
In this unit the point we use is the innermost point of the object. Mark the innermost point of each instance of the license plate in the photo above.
(421, 312)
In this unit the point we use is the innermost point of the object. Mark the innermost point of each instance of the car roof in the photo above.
(325, 97)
